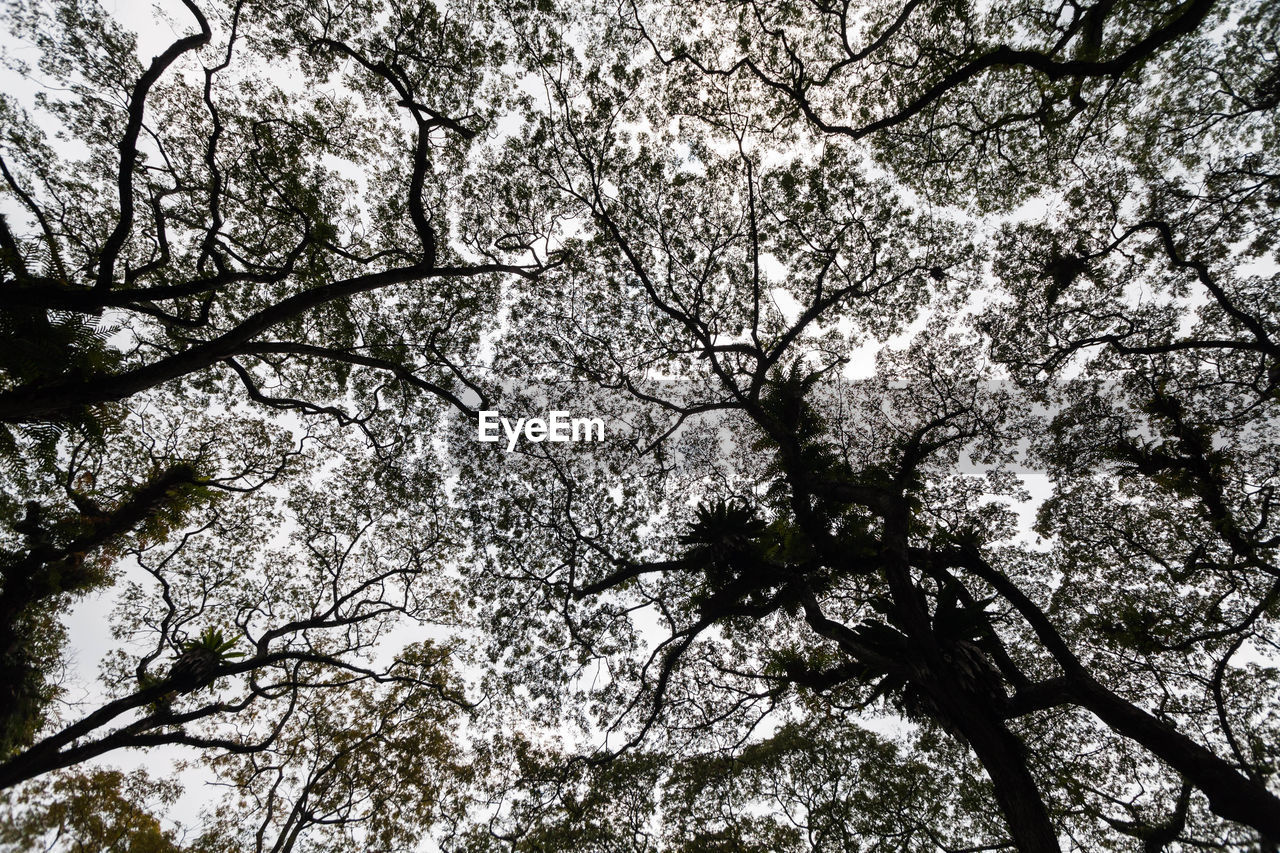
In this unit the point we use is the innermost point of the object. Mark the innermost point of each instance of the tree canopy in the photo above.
(937, 349)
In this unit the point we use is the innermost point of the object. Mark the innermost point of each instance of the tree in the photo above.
(219, 228)
(370, 768)
(213, 227)
(839, 542)
(100, 810)
(214, 238)
(844, 280)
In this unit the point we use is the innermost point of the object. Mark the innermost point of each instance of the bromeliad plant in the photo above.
(197, 665)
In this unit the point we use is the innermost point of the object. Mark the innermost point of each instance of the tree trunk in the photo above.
(1003, 756)
(1231, 795)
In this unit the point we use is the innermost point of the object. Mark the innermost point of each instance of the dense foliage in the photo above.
(938, 348)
